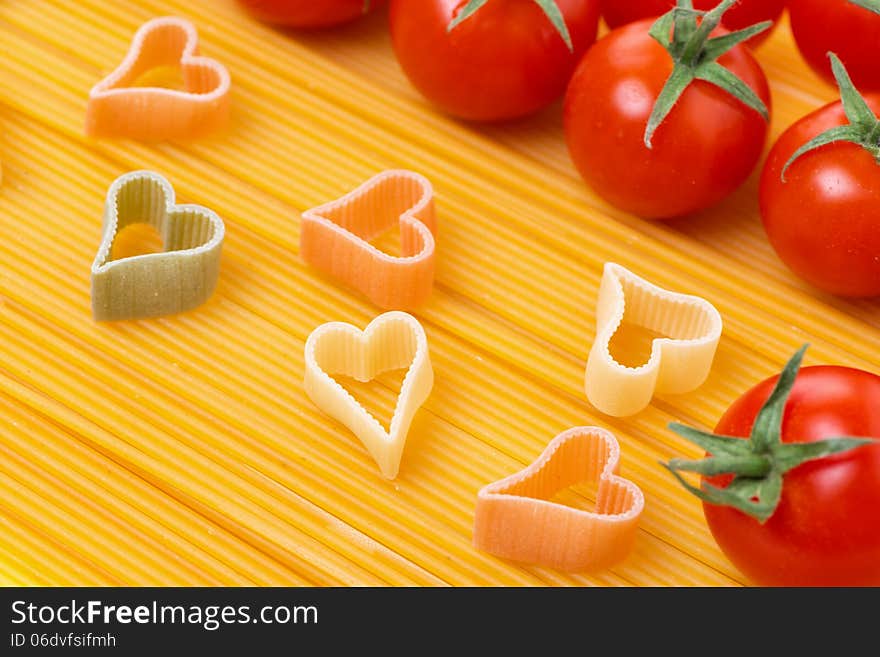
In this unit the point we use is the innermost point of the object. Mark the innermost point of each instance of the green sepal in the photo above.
(712, 443)
(366, 6)
(870, 5)
(695, 54)
(662, 28)
(755, 497)
(862, 130)
(748, 465)
(840, 133)
(717, 46)
(698, 37)
(854, 106)
(469, 10)
(549, 7)
(767, 430)
(676, 84)
(760, 462)
(790, 455)
(724, 78)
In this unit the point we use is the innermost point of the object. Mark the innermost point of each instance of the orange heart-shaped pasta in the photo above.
(117, 109)
(335, 238)
(516, 520)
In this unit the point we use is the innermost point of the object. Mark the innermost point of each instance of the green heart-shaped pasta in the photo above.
(179, 278)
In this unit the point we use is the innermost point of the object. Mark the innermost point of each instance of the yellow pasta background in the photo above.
(183, 450)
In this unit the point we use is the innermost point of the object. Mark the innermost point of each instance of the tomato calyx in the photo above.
(863, 128)
(760, 462)
(549, 7)
(695, 56)
(870, 5)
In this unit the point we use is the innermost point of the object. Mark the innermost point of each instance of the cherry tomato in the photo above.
(825, 531)
(505, 61)
(703, 151)
(824, 220)
(841, 27)
(745, 14)
(309, 13)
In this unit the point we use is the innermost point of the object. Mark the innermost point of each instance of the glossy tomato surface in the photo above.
(826, 529)
(841, 27)
(505, 61)
(702, 152)
(824, 220)
(745, 14)
(309, 13)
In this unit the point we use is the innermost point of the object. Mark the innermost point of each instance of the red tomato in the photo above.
(507, 60)
(745, 14)
(702, 152)
(309, 13)
(824, 221)
(841, 27)
(826, 529)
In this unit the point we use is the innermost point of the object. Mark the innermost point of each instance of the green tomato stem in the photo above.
(695, 54)
(760, 462)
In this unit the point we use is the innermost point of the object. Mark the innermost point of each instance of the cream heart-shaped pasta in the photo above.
(118, 109)
(181, 277)
(679, 362)
(392, 341)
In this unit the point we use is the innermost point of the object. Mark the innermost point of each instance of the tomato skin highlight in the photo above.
(824, 221)
(826, 529)
(838, 26)
(505, 61)
(742, 15)
(703, 151)
(308, 13)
